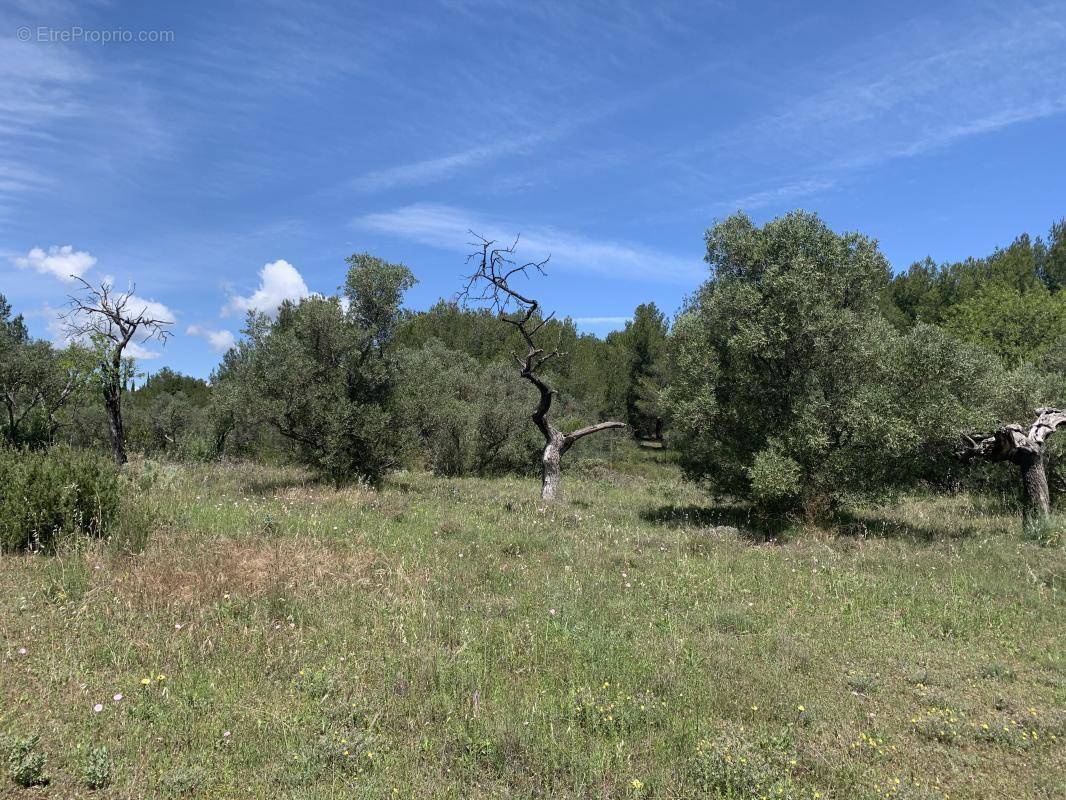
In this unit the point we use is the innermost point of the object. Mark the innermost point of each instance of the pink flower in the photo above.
(98, 708)
(118, 697)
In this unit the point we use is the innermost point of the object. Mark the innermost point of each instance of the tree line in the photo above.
(800, 374)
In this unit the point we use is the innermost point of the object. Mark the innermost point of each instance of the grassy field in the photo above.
(444, 638)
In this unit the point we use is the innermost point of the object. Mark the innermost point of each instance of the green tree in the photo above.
(463, 418)
(642, 344)
(787, 385)
(38, 384)
(321, 376)
(1016, 325)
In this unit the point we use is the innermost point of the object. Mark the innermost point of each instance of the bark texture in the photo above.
(491, 282)
(1024, 449)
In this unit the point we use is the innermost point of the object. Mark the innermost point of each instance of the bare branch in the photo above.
(570, 438)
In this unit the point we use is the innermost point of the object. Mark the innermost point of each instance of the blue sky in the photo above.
(243, 159)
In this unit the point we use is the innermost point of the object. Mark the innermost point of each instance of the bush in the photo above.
(45, 496)
(25, 763)
(98, 770)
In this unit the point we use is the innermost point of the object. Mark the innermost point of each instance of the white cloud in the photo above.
(449, 228)
(60, 262)
(278, 281)
(220, 341)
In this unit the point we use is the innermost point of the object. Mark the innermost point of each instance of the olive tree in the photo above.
(1026, 449)
(320, 374)
(38, 383)
(788, 386)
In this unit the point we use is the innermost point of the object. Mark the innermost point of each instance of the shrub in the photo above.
(25, 763)
(98, 769)
(45, 496)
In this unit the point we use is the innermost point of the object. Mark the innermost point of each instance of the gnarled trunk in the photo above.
(1024, 449)
(552, 461)
(1036, 498)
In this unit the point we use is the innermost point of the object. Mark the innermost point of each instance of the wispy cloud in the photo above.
(601, 324)
(781, 194)
(448, 228)
(904, 93)
(430, 170)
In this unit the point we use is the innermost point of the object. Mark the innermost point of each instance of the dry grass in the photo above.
(448, 627)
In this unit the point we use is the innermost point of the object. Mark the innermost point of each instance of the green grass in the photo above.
(445, 638)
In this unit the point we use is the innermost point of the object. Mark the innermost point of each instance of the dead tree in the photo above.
(111, 321)
(1025, 450)
(491, 283)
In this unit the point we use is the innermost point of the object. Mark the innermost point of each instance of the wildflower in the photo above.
(636, 784)
(801, 709)
(146, 681)
(98, 708)
(225, 734)
(160, 677)
(118, 697)
(22, 651)
(552, 611)
(178, 626)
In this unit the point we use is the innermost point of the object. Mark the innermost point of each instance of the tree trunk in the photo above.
(1035, 494)
(553, 467)
(113, 404)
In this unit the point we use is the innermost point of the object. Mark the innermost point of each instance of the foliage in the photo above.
(322, 376)
(1012, 324)
(736, 764)
(45, 496)
(591, 377)
(38, 383)
(790, 388)
(25, 761)
(464, 418)
(99, 771)
(642, 345)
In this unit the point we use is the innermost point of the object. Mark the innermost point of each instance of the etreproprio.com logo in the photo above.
(77, 35)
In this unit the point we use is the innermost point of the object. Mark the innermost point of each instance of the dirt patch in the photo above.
(202, 572)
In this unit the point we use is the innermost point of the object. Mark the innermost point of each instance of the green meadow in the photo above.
(264, 635)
